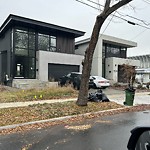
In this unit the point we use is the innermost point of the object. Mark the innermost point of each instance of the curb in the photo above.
(60, 118)
(36, 125)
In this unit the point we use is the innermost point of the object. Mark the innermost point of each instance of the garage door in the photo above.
(55, 71)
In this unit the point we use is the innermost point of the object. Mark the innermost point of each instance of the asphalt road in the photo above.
(106, 133)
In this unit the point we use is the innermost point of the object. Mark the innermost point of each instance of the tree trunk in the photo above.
(88, 57)
(87, 63)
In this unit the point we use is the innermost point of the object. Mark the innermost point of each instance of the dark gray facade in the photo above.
(5, 55)
(21, 37)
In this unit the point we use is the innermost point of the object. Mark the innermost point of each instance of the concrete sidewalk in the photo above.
(140, 98)
(23, 104)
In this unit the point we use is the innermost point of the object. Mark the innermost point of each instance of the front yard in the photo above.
(35, 94)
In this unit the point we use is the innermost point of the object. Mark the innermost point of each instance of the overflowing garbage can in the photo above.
(129, 98)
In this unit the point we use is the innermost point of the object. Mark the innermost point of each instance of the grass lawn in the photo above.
(36, 94)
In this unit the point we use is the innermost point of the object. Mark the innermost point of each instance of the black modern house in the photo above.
(31, 49)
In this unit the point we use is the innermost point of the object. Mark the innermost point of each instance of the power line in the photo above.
(124, 14)
(130, 22)
(107, 25)
(147, 1)
(138, 34)
(87, 4)
(121, 14)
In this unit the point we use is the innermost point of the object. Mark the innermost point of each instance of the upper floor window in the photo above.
(24, 42)
(46, 42)
(110, 50)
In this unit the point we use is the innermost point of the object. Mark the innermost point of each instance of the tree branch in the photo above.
(107, 5)
(118, 5)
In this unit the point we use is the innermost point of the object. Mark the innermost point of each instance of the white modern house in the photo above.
(143, 72)
(109, 56)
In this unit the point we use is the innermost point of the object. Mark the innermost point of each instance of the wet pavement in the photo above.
(105, 133)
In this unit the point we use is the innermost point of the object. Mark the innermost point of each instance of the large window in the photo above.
(24, 52)
(111, 50)
(46, 42)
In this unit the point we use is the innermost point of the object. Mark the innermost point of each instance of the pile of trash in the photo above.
(98, 96)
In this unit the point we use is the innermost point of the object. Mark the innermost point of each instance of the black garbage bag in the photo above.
(98, 96)
(104, 98)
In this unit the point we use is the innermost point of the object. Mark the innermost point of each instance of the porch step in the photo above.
(32, 83)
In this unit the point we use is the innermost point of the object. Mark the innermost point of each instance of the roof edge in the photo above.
(40, 23)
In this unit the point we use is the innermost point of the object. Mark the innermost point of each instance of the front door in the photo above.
(19, 70)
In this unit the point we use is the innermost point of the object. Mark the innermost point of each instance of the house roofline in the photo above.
(37, 24)
(110, 40)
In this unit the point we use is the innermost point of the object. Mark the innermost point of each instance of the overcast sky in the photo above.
(72, 14)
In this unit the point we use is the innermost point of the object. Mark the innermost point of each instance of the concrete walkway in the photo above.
(140, 98)
(23, 104)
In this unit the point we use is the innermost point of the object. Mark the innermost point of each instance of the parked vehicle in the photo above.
(139, 139)
(73, 78)
(70, 78)
(99, 82)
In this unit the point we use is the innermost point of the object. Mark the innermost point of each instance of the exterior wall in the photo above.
(143, 75)
(144, 60)
(65, 44)
(97, 57)
(44, 58)
(112, 67)
(143, 78)
(143, 72)
(5, 44)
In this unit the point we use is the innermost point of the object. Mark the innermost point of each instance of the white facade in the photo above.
(112, 62)
(43, 58)
(143, 72)
(144, 60)
(112, 67)
(143, 75)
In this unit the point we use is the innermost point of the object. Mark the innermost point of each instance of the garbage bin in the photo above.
(129, 99)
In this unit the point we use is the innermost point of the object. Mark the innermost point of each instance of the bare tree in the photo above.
(129, 73)
(87, 63)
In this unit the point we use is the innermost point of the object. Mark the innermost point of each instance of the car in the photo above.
(69, 78)
(73, 78)
(99, 82)
(139, 139)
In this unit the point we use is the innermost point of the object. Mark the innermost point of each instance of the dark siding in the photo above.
(121, 77)
(55, 71)
(5, 47)
(65, 44)
(123, 54)
(3, 65)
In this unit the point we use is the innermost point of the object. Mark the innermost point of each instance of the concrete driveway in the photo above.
(119, 96)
